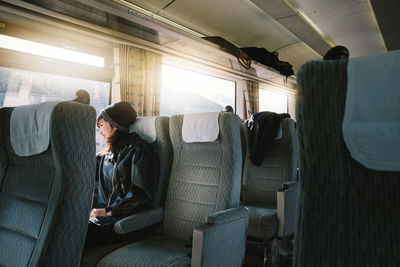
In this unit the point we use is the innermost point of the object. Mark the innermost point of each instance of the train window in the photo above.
(271, 101)
(20, 87)
(185, 92)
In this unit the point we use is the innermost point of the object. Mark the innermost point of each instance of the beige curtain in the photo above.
(139, 78)
(251, 97)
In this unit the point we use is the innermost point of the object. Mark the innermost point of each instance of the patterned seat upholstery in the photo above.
(45, 199)
(202, 194)
(348, 215)
(261, 184)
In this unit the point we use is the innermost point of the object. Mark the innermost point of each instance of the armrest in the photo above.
(286, 208)
(221, 241)
(139, 221)
(226, 216)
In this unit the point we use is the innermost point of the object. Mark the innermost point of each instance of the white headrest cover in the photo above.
(202, 127)
(145, 127)
(371, 123)
(30, 128)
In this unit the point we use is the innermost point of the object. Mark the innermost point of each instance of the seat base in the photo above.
(155, 251)
(91, 256)
(263, 222)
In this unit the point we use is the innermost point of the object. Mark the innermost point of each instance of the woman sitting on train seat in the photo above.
(127, 173)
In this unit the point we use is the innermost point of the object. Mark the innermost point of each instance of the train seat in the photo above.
(203, 224)
(348, 214)
(154, 130)
(269, 191)
(45, 198)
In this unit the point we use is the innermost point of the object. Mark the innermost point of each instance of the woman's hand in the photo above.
(99, 212)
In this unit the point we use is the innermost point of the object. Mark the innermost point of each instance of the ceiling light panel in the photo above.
(241, 22)
(348, 23)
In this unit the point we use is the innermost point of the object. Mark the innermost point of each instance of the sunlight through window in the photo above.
(274, 102)
(185, 92)
(48, 51)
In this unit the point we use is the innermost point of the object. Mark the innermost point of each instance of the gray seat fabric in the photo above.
(45, 199)
(163, 147)
(261, 183)
(154, 251)
(348, 215)
(205, 178)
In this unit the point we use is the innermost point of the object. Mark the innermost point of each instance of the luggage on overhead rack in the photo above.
(269, 59)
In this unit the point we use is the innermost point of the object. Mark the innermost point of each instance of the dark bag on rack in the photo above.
(230, 48)
(284, 68)
(269, 59)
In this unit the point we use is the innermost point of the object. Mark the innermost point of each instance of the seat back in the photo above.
(205, 176)
(155, 130)
(261, 183)
(45, 199)
(348, 215)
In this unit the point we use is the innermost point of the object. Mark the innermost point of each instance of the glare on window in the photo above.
(20, 87)
(185, 92)
(48, 51)
(275, 102)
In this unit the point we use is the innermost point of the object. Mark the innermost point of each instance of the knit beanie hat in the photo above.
(120, 115)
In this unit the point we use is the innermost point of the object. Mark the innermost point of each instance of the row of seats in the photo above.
(347, 213)
(46, 198)
(268, 191)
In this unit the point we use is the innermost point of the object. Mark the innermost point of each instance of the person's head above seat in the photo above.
(115, 120)
(337, 52)
(228, 108)
(82, 96)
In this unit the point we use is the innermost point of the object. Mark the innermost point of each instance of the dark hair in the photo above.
(337, 52)
(82, 97)
(115, 137)
(228, 108)
(111, 140)
(98, 120)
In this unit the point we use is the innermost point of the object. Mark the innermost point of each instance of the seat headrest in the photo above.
(371, 123)
(146, 128)
(201, 127)
(30, 128)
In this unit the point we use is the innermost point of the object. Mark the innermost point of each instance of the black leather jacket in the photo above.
(127, 176)
(263, 127)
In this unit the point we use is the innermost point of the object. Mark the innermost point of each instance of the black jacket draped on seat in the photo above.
(263, 127)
